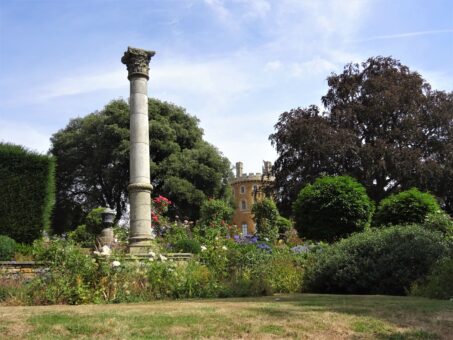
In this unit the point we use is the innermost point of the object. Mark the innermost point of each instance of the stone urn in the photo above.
(106, 236)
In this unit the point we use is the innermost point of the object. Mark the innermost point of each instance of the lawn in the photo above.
(282, 316)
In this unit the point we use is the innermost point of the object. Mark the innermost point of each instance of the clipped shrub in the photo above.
(332, 208)
(27, 180)
(377, 261)
(265, 215)
(406, 207)
(7, 248)
(439, 283)
(187, 246)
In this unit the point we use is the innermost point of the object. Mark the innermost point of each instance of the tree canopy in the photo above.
(92, 155)
(382, 124)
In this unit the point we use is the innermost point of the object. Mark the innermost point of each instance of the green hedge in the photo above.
(377, 261)
(27, 195)
(406, 207)
(332, 208)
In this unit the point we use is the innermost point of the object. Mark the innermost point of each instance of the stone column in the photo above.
(140, 232)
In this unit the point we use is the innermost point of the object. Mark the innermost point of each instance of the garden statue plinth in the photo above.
(140, 232)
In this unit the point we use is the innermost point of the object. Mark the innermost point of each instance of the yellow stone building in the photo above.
(248, 189)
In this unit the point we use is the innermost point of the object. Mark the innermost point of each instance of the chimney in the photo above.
(239, 169)
(267, 168)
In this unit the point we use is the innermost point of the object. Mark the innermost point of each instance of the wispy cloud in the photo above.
(405, 35)
(23, 134)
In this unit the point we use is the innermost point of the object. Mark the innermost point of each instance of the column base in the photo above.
(141, 247)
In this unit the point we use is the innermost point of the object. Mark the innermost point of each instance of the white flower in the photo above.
(105, 250)
(162, 257)
(116, 264)
(152, 254)
(203, 248)
(216, 238)
(266, 239)
(96, 252)
(224, 248)
(151, 259)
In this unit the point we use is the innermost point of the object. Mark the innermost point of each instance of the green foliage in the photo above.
(82, 236)
(377, 261)
(214, 214)
(93, 162)
(69, 276)
(27, 180)
(265, 215)
(75, 277)
(93, 221)
(406, 207)
(284, 272)
(284, 226)
(382, 124)
(187, 246)
(439, 283)
(180, 280)
(439, 221)
(215, 211)
(332, 208)
(7, 248)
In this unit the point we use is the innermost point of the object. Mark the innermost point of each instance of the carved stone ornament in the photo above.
(137, 61)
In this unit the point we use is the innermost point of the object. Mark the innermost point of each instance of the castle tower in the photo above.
(248, 189)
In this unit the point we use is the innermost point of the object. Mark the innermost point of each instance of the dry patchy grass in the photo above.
(301, 316)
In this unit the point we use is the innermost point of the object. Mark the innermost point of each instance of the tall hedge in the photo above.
(27, 192)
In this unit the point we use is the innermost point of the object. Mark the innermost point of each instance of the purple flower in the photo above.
(264, 247)
(300, 249)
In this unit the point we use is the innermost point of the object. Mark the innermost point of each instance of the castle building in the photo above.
(248, 189)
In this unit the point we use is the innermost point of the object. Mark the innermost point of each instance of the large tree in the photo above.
(93, 162)
(382, 124)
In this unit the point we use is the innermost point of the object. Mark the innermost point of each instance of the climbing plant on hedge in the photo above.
(406, 207)
(331, 208)
(27, 195)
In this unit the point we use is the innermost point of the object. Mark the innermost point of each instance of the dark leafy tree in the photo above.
(382, 125)
(93, 162)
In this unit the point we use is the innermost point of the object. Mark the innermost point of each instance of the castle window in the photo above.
(255, 188)
(245, 230)
(242, 189)
(243, 205)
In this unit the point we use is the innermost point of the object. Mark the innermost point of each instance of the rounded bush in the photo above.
(187, 246)
(377, 261)
(332, 208)
(7, 248)
(406, 207)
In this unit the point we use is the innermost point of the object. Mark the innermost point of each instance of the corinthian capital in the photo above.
(137, 61)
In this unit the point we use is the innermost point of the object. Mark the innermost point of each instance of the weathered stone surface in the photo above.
(137, 61)
(140, 234)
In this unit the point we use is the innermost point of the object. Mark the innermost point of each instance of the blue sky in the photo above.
(234, 64)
